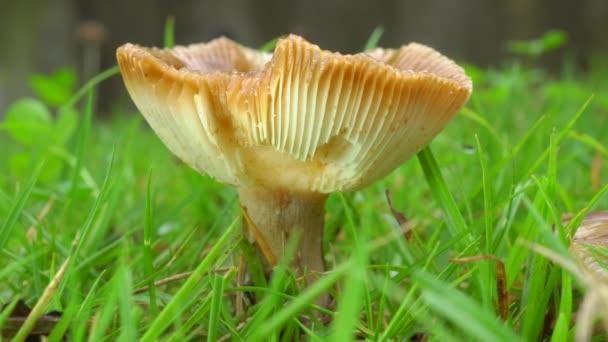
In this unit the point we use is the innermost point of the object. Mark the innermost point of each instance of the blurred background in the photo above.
(41, 36)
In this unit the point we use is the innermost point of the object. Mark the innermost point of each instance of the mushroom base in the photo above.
(276, 216)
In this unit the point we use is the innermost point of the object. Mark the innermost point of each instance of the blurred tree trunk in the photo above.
(19, 36)
(40, 35)
(36, 36)
(525, 18)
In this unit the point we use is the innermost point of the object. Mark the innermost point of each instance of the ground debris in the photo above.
(17, 317)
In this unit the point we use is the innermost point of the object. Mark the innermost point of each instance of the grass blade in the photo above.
(563, 134)
(487, 202)
(169, 36)
(171, 312)
(374, 38)
(469, 316)
(82, 234)
(16, 211)
(87, 87)
(41, 304)
(300, 303)
(81, 146)
(454, 220)
(269, 45)
(124, 286)
(148, 253)
(352, 297)
(216, 303)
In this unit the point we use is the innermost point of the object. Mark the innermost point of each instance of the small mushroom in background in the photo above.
(91, 34)
(289, 128)
(589, 247)
(591, 233)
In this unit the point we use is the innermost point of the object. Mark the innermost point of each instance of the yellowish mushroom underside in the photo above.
(302, 118)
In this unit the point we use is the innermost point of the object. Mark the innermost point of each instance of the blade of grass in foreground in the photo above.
(469, 316)
(449, 209)
(539, 278)
(7, 228)
(124, 286)
(560, 332)
(104, 316)
(487, 202)
(193, 327)
(456, 223)
(400, 318)
(509, 157)
(281, 281)
(105, 189)
(148, 253)
(300, 303)
(76, 308)
(216, 302)
(172, 310)
(41, 304)
(352, 296)
(83, 233)
(563, 134)
(81, 146)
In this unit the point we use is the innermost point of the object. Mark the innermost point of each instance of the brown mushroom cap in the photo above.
(302, 119)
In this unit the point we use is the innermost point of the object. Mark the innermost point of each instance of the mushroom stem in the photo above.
(277, 214)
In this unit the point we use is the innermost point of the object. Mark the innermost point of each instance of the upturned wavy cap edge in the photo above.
(301, 118)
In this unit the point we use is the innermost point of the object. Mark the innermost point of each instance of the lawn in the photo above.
(101, 224)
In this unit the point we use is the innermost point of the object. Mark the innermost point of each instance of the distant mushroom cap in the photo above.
(302, 118)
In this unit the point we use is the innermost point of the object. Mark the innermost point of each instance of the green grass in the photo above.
(110, 202)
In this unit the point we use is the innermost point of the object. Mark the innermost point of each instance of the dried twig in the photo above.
(31, 231)
(176, 277)
(501, 280)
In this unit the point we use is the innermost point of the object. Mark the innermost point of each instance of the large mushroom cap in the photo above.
(302, 118)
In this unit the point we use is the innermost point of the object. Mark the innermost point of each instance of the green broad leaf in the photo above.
(554, 39)
(549, 41)
(55, 89)
(28, 121)
(66, 77)
(19, 163)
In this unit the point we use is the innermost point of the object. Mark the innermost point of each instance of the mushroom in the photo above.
(289, 128)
